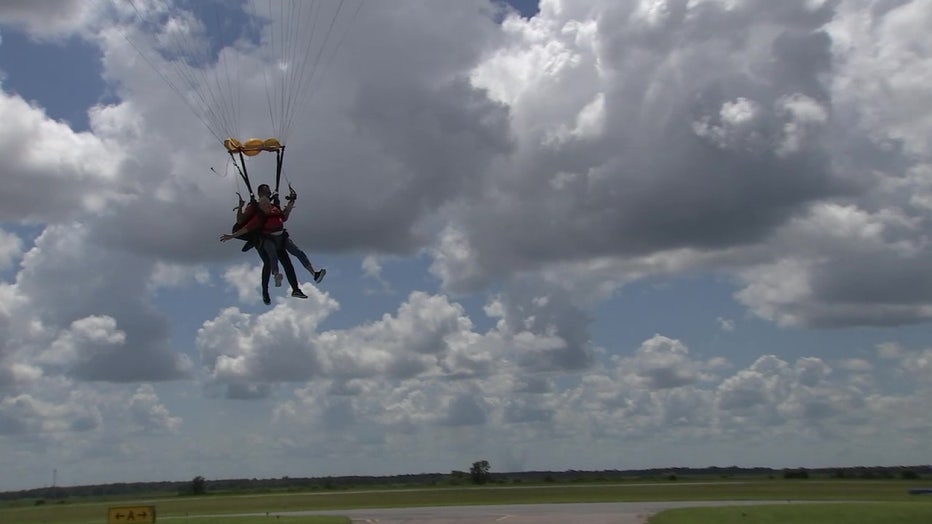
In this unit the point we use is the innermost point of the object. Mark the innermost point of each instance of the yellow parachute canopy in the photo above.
(252, 146)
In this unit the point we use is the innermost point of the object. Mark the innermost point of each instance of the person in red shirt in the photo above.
(243, 215)
(268, 220)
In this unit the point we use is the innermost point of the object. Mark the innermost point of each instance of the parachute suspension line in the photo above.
(242, 172)
(222, 108)
(235, 102)
(298, 70)
(333, 51)
(223, 105)
(216, 118)
(265, 71)
(301, 61)
(299, 34)
(336, 48)
(283, 27)
(288, 53)
(283, 65)
(192, 61)
(178, 43)
(234, 182)
(174, 87)
(305, 72)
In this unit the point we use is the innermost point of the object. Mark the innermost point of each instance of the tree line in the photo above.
(480, 472)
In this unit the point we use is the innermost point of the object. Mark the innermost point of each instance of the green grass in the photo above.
(851, 513)
(171, 508)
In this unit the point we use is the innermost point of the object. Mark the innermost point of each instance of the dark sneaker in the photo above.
(247, 246)
(297, 293)
(278, 280)
(319, 275)
(265, 299)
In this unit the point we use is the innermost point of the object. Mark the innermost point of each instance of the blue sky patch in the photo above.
(63, 77)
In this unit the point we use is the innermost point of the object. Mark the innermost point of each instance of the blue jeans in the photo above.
(270, 246)
(296, 252)
(271, 252)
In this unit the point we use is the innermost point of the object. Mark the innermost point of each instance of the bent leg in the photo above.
(297, 253)
(266, 272)
(289, 269)
(269, 246)
(293, 248)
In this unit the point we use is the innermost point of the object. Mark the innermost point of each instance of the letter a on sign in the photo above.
(131, 515)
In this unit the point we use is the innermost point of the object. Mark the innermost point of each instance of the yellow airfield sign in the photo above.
(131, 515)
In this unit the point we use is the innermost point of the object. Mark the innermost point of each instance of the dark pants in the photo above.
(279, 242)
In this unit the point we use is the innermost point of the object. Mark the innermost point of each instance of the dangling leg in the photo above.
(269, 247)
(289, 271)
(296, 252)
(266, 272)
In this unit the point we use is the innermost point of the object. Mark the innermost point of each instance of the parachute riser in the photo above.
(251, 148)
(279, 162)
(242, 172)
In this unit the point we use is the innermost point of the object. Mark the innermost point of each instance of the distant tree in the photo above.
(801, 473)
(909, 475)
(479, 472)
(198, 486)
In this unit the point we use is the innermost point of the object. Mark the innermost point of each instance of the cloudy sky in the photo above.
(574, 235)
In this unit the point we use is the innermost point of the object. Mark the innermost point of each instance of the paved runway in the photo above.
(588, 513)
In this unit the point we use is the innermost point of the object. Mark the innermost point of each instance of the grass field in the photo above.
(94, 512)
(850, 513)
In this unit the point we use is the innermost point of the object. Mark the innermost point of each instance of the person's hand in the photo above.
(226, 236)
(292, 195)
(241, 201)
